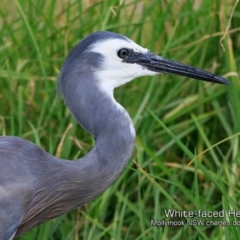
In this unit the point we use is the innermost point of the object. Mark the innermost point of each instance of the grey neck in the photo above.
(112, 128)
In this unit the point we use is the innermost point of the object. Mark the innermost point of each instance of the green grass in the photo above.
(187, 153)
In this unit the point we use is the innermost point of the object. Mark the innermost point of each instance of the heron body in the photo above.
(36, 186)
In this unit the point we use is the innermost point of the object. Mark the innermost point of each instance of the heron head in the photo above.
(114, 60)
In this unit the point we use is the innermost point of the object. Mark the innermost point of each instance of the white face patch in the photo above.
(114, 72)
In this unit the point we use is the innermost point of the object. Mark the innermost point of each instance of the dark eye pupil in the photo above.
(122, 53)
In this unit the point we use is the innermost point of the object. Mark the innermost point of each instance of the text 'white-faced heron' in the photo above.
(36, 186)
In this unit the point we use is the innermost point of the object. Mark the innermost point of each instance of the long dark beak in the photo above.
(156, 63)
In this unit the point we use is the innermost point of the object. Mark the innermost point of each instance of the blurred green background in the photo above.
(187, 153)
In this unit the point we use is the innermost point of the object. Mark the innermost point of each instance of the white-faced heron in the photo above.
(36, 186)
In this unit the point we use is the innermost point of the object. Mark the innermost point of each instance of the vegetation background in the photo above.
(187, 153)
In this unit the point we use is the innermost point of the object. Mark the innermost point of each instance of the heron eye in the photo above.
(123, 52)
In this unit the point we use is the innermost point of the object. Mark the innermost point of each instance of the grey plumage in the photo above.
(36, 186)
